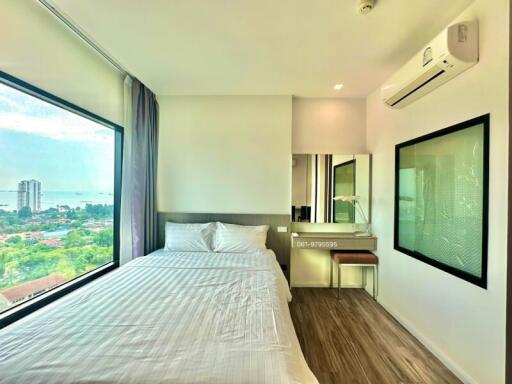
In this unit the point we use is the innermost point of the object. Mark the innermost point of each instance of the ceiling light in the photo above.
(338, 87)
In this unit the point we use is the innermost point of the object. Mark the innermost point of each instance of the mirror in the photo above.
(331, 188)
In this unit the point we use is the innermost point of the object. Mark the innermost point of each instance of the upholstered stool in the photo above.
(363, 259)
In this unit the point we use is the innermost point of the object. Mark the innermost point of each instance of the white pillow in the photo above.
(239, 238)
(189, 237)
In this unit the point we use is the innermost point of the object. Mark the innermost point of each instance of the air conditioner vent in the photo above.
(445, 57)
(426, 82)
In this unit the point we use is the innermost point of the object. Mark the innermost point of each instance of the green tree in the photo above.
(25, 213)
(2, 266)
(71, 214)
(74, 239)
(76, 224)
(104, 238)
(99, 210)
(14, 240)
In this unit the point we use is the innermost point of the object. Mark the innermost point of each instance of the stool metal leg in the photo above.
(376, 272)
(363, 275)
(330, 274)
(339, 280)
(375, 282)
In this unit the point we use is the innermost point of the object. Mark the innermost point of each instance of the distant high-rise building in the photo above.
(29, 195)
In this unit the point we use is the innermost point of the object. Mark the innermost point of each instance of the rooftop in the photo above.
(23, 290)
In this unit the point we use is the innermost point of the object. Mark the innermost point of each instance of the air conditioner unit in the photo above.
(452, 52)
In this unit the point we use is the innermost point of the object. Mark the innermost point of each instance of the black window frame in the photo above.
(27, 307)
(480, 281)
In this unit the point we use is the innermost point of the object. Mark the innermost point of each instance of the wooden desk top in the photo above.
(341, 241)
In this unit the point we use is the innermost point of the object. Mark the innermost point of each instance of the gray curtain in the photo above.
(144, 168)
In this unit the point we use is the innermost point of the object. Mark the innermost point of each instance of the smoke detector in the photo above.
(365, 6)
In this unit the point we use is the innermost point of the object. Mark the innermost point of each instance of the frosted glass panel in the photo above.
(442, 200)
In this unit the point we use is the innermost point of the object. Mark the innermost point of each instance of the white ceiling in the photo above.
(261, 47)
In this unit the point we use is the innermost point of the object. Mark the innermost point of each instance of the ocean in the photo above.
(9, 199)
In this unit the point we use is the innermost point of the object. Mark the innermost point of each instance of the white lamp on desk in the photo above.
(354, 200)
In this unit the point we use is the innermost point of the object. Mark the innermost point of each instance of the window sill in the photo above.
(23, 309)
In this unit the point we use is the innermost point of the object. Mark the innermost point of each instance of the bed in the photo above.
(169, 317)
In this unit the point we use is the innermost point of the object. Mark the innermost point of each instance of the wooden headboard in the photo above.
(279, 242)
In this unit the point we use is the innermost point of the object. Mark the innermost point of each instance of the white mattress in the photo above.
(170, 317)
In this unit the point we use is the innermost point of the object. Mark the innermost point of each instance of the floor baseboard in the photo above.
(353, 339)
(449, 363)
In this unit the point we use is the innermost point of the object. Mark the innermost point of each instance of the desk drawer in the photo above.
(341, 243)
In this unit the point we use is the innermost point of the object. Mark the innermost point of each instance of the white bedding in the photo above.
(170, 317)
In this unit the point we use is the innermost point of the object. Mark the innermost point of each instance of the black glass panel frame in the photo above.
(434, 260)
(31, 305)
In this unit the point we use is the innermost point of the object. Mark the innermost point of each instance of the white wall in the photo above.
(225, 154)
(335, 126)
(40, 50)
(462, 323)
(301, 180)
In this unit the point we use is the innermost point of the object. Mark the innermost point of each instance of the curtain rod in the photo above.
(82, 35)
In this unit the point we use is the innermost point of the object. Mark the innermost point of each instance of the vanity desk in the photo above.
(331, 208)
(311, 257)
(333, 241)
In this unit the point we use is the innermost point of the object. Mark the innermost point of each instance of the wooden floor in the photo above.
(355, 341)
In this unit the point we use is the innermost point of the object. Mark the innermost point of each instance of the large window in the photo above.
(441, 199)
(59, 194)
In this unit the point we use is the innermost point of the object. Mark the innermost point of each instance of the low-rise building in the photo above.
(30, 289)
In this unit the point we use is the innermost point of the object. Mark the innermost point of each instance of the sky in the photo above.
(65, 151)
